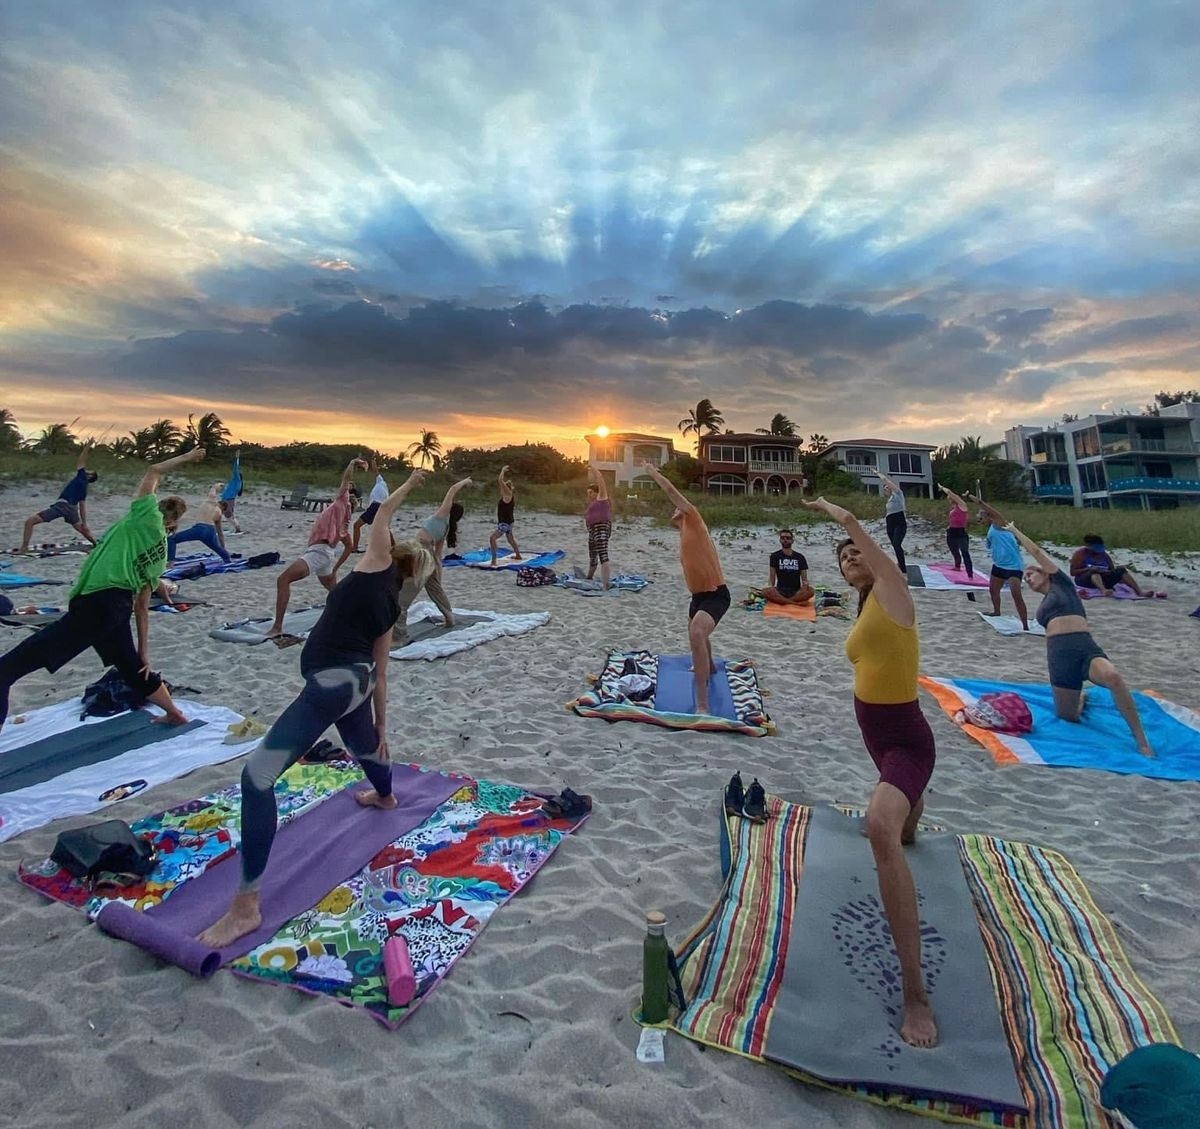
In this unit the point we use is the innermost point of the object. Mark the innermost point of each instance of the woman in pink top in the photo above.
(329, 531)
(957, 538)
(598, 519)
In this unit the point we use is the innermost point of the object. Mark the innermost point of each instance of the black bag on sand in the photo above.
(103, 848)
(110, 695)
(263, 560)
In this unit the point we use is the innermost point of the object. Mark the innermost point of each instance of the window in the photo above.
(860, 458)
(613, 453)
(1087, 443)
(772, 454)
(726, 484)
(1091, 477)
(724, 453)
(901, 462)
(651, 451)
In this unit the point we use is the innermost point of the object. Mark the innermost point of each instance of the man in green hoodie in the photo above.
(117, 579)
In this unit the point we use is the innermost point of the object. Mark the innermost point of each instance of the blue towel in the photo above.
(676, 689)
(476, 556)
(1102, 739)
(16, 580)
(180, 568)
(543, 560)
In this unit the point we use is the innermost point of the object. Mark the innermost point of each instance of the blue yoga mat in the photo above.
(676, 690)
(476, 556)
(16, 580)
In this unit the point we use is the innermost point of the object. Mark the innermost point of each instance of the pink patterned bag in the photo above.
(1002, 710)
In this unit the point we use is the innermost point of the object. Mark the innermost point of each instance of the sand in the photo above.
(94, 1032)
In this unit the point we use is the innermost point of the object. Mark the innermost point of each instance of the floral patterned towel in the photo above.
(438, 885)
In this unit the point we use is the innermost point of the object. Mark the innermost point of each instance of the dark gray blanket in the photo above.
(87, 744)
(432, 628)
(839, 1007)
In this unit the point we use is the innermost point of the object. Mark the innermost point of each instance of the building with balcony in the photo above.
(909, 465)
(740, 463)
(620, 454)
(1124, 461)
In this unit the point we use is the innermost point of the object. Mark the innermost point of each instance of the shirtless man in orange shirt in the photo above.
(705, 580)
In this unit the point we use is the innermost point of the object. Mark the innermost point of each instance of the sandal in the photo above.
(567, 805)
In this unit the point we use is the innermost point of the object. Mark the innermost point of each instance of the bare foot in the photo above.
(243, 917)
(908, 838)
(1146, 751)
(518, 557)
(372, 799)
(172, 718)
(273, 630)
(919, 1028)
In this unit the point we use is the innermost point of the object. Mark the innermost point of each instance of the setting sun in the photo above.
(602, 431)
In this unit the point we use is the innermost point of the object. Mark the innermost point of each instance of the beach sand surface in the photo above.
(533, 1025)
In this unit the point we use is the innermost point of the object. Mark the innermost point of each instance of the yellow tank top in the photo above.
(886, 657)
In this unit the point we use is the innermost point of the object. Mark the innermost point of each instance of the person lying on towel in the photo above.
(788, 582)
(116, 580)
(1092, 567)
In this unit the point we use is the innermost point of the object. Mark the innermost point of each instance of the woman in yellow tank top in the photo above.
(885, 651)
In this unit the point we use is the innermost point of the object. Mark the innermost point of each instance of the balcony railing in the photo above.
(1155, 485)
(1054, 490)
(1041, 457)
(1129, 446)
(770, 466)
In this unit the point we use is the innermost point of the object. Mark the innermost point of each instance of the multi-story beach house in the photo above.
(748, 462)
(1120, 461)
(909, 465)
(620, 454)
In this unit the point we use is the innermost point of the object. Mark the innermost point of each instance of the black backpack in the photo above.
(263, 560)
(110, 695)
(104, 848)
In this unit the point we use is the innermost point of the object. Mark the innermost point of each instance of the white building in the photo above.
(620, 454)
(909, 465)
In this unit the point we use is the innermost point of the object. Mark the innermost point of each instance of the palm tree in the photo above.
(56, 439)
(427, 449)
(972, 449)
(123, 447)
(702, 416)
(210, 433)
(817, 442)
(780, 425)
(161, 440)
(10, 435)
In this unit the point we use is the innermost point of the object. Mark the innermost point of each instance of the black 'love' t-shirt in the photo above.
(787, 571)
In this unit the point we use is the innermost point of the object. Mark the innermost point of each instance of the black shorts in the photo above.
(715, 603)
(999, 573)
(368, 515)
(1109, 577)
(1069, 658)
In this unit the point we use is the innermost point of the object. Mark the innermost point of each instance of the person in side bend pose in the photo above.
(1008, 566)
(1092, 567)
(788, 575)
(233, 491)
(885, 650)
(116, 580)
(375, 499)
(958, 540)
(505, 517)
(598, 519)
(704, 578)
(71, 505)
(896, 519)
(332, 528)
(206, 528)
(437, 531)
(344, 665)
(1072, 654)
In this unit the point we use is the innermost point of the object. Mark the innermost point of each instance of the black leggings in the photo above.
(897, 527)
(99, 620)
(336, 695)
(598, 535)
(958, 542)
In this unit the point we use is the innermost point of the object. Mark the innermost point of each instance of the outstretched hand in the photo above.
(196, 454)
(417, 477)
(838, 513)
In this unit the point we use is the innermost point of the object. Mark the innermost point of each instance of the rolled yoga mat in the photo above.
(311, 855)
(837, 1015)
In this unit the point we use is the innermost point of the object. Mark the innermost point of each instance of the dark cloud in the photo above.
(1031, 384)
(1019, 325)
(1131, 331)
(334, 286)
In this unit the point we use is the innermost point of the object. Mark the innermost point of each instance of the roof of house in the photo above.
(629, 437)
(879, 443)
(752, 437)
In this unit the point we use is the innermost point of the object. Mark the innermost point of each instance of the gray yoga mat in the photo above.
(86, 744)
(432, 628)
(251, 631)
(838, 1012)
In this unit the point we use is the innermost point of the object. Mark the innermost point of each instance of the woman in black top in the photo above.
(344, 663)
(1072, 655)
(505, 517)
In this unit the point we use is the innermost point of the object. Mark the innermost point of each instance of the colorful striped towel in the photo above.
(1070, 1002)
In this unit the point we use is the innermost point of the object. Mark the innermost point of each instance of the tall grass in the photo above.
(1163, 530)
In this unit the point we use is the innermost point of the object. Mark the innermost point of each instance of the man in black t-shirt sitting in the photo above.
(789, 575)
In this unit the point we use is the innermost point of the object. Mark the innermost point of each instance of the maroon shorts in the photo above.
(900, 743)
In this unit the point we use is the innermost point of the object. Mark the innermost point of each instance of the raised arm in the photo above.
(84, 451)
(600, 481)
(149, 481)
(681, 503)
(997, 518)
(958, 502)
(451, 494)
(379, 541)
(348, 473)
(886, 481)
(1045, 562)
(891, 585)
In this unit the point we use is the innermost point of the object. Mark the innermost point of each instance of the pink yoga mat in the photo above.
(959, 576)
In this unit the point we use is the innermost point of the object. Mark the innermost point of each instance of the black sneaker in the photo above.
(755, 806)
(734, 795)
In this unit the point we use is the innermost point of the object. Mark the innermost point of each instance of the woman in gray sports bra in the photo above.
(1072, 655)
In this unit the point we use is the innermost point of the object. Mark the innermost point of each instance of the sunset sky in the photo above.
(521, 220)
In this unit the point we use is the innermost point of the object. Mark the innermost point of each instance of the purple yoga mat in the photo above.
(311, 855)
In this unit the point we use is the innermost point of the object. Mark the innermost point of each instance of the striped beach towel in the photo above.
(1070, 1002)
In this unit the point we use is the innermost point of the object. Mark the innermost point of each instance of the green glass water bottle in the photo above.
(655, 1001)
